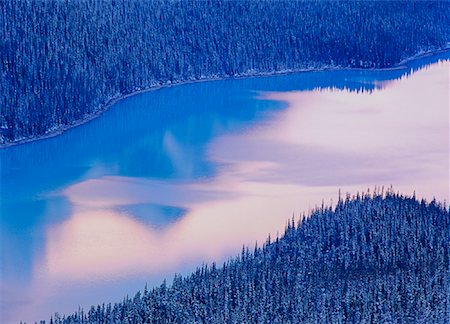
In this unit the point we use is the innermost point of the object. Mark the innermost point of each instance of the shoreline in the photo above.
(112, 101)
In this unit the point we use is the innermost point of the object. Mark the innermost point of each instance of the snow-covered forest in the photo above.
(372, 259)
(61, 61)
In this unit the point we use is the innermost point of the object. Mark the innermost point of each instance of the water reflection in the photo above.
(169, 179)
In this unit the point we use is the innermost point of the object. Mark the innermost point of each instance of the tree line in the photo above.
(374, 258)
(63, 60)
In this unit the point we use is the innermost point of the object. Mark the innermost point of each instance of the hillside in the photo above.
(63, 61)
(374, 258)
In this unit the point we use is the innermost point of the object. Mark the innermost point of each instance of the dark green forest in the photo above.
(372, 259)
(63, 60)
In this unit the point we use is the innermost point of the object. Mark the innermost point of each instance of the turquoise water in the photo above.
(168, 179)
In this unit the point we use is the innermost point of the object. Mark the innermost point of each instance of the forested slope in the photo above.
(372, 259)
(62, 60)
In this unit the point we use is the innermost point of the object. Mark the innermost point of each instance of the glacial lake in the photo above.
(169, 179)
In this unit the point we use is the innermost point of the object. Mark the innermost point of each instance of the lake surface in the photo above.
(169, 179)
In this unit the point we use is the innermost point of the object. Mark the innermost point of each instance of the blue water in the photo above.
(160, 141)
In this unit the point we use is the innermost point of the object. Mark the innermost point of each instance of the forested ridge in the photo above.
(371, 259)
(63, 60)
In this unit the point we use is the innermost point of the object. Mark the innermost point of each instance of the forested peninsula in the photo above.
(62, 62)
(373, 258)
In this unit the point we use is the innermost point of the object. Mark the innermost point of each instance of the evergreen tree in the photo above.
(61, 61)
(371, 259)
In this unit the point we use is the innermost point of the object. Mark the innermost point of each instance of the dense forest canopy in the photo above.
(62, 61)
(371, 259)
